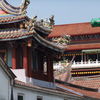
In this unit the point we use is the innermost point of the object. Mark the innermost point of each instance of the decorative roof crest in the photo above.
(24, 6)
(45, 25)
(64, 40)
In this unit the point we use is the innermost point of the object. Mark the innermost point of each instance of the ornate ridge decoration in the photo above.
(14, 10)
(44, 26)
(48, 44)
(65, 40)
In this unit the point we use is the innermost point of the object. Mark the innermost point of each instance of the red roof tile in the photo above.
(74, 29)
(84, 92)
(90, 82)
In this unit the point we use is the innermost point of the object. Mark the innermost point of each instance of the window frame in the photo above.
(20, 94)
(39, 97)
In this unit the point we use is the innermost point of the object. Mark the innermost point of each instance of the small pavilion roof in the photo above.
(74, 29)
(11, 14)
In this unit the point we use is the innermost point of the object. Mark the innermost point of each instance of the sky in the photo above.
(65, 11)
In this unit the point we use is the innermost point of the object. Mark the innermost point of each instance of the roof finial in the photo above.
(24, 6)
(52, 22)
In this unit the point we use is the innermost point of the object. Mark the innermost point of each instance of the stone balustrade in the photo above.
(86, 64)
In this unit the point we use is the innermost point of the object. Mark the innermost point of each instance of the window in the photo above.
(39, 98)
(45, 68)
(20, 97)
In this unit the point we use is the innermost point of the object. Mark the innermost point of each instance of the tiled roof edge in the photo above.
(72, 24)
(45, 90)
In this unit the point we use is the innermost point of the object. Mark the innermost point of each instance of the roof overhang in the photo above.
(48, 44)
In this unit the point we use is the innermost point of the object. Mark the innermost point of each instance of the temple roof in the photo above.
(26, 27)
(48, 44)
(89, 82)
(90, 95)
(74, 29)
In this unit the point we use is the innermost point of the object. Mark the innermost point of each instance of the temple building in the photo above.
(26, 57)
(23, 43)
(84, 45)
(79, 67)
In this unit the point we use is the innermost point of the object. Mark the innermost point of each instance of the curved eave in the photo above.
(9, 8)
(48, 44)
(45, 30)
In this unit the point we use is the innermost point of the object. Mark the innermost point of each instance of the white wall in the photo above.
(4, 86)
(21, 76)
(32, 95)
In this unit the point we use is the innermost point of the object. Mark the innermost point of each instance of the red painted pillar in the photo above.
(29, 57)
(14, 64)
(25, 59)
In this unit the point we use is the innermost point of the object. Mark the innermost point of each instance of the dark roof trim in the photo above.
(76, 86)
(7, 69)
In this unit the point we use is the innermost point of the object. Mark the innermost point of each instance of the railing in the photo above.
(82, 64)
(86, 64)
